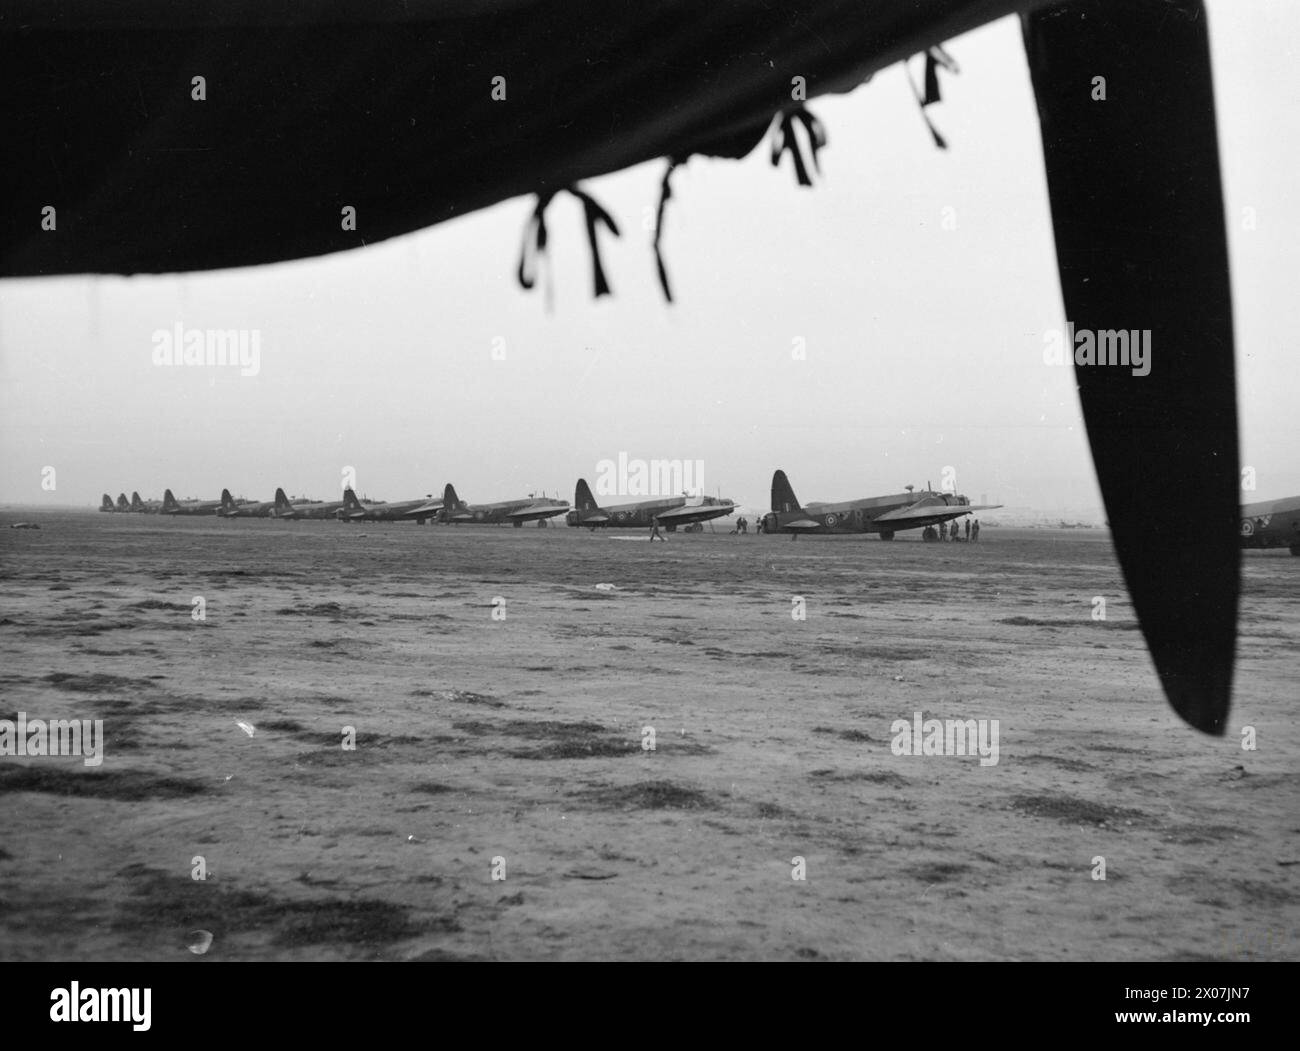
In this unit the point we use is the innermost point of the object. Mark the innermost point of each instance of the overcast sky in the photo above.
(924, 345)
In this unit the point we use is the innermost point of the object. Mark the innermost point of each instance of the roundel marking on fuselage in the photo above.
(1247, 527)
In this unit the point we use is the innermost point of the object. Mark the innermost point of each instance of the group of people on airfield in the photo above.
(949, 532)
(742, 526)
(952, 531)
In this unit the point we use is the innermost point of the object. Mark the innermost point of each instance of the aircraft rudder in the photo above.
(582, 498)
(783, 498)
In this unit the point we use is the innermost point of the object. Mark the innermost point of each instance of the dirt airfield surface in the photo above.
(518, 744)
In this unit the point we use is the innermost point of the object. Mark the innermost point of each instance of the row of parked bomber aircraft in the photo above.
(1273, 523)
(884, 515)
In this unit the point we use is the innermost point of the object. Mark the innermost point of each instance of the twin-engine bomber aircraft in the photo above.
(172, 506)
(353, 510)
(885, 515)
(144, 507)
(1273, 523)
(232, 508)
(516, 512)
(669, 512)
(107, 504)
(284, 508)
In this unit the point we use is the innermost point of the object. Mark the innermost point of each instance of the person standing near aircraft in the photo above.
(968, 529)
(654, 532)
(975, 531)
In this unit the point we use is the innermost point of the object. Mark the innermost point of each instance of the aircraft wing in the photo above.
(527, 514)
(698, 513)
(936, 512)
(424, 511)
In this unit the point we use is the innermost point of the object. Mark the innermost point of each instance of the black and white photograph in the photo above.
(588, 481)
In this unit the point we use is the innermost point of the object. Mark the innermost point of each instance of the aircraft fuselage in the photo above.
(193, 507)
(308, 509)
(507, 512)
(866, 515)
(669, 511)
(1272, 523)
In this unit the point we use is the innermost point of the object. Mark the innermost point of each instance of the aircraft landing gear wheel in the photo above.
(930, 534)
(1295, 550)
(887, 535)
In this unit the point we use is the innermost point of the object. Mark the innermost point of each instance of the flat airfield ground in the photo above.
(517, 743)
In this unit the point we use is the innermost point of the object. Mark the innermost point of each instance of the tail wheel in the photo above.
(1295, 550)
(887, 534)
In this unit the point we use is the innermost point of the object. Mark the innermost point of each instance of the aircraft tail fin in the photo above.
(106, 504)
(227, 502)
(169, 501)
(136, 503)
(582, 498)
(783, 498)
(282, 504)
(350, 501)
(450, 501)
(123, 504)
